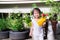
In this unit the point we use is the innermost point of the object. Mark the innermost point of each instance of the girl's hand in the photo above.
(31, 31)
(44, 25)
(30, 34)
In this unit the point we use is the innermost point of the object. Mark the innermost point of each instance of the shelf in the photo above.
(21, 2)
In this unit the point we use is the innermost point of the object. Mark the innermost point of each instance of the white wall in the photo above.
(23, 10)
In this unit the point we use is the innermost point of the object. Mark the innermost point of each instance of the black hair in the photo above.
(37, 10)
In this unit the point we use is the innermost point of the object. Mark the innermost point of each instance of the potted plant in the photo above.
(15, 23)
(54, 22)
(55, 8)
(4, 32)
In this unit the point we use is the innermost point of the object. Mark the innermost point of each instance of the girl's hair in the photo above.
(37, 10)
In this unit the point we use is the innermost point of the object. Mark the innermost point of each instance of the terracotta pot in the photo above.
(54, 25)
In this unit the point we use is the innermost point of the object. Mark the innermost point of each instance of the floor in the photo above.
(26, 39)
(57, 38)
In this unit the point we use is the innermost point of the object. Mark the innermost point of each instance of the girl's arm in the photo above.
(31, 31)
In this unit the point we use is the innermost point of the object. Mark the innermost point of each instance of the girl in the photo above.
(36, 31)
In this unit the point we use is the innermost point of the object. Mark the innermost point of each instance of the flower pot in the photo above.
(14, 35)
(4, 34)
(54, 25)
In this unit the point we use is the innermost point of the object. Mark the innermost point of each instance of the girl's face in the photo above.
(36, 14)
